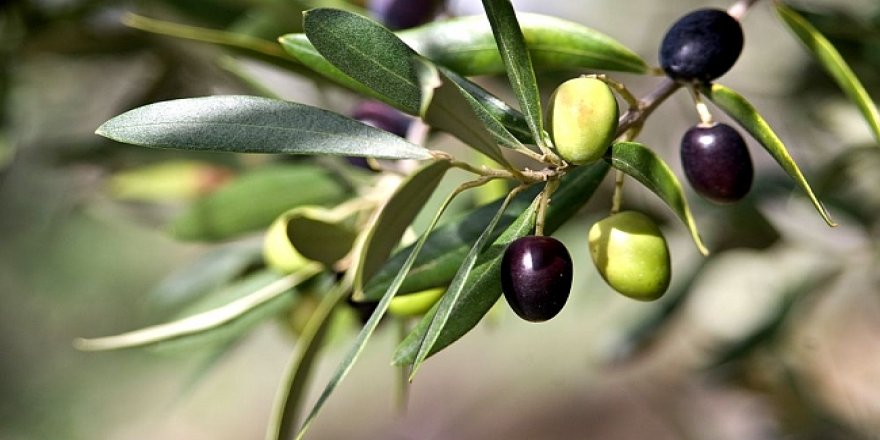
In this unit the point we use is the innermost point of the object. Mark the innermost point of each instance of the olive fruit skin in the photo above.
(536, 274)
(582, 119)
(403, 14)
(716, 162)
(380, 115)
(383, 116)
(631, 254)
(701, 46)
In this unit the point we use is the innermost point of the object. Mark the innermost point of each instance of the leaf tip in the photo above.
(83, 344)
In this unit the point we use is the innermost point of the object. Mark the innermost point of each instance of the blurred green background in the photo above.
(773, 336)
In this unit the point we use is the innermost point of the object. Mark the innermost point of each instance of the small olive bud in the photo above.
(631, 254)
(582, 119)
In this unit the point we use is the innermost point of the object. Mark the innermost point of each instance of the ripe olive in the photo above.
(379, 115)
(701, 46)
(716, 162)
(631, 254)
(278, 252)
(582, 119)
(403, 14)
(536, 275)
(415, 304)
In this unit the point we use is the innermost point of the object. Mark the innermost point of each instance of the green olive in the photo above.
(278, 252)
(582, 119)
(631, 255)
(415, 304)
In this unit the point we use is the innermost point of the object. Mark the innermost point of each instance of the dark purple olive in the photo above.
(536, 277)
(403, 14)
(701, 46)
(716, 162)
(381, 115)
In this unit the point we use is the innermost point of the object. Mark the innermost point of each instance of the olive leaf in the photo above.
(443, 311)
(748, 117)
(249, 124)
(200, 323)
(450, 108)
(445, 249)
(302, 49)
(217, 267)
(366, 332)
(510, 118)
(233, 209)
(833, 62)
(367, 52)
(299, 47)
(483, 286)
(294, 382)
(645, 166)
(387, 228)
(319, 235)
(518, 63)
(467, 46)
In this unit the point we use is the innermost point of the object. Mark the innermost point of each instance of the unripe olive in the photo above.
(278, 252)
(631, 254)
(582, 119)
(415, 304)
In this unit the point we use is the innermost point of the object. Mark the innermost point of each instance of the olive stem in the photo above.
(636, 116)
(618, 87)
(702, 109)
(617, 198)
(546, 195)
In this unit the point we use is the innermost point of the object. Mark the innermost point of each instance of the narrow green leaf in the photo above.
(294, 382)
(748, 117)
(319, 235)
(453, 294)
(209, 272)
(483, 288)
(833, 62)
(513, 50)
(234, 330)
(357, 348)
(367, 52)
(299, 47)
(233, 209)
(248, 124)
(455, 111)
(201, 322)
(386, 230)
(445, 249)
(467, 46)
(302, 49)
(645, 166)
(510, 118)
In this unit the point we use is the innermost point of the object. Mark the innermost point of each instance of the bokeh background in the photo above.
(774, 336)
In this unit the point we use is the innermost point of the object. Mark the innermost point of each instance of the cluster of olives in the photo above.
(698, 48)
(628, 248)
